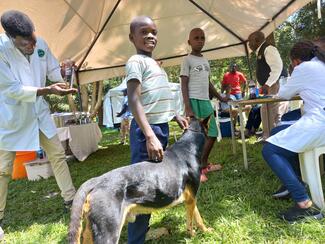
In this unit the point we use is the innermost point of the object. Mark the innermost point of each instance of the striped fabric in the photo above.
(156, 96)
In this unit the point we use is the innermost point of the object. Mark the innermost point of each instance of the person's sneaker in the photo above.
(282, 193)
(67, 206)
(296, 213)
(261, 140)
(2, 233)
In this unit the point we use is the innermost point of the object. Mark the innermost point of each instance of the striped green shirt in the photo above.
(156, 96)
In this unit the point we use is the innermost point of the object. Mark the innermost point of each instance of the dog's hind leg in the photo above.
(87, 237)
(105, 219)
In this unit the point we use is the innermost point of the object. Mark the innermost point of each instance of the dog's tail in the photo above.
(80, 206)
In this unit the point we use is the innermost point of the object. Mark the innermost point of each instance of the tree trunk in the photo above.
(84, 97)
(93, 97)
(98, 100)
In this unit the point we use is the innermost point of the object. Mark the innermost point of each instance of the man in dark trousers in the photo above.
(269, 67)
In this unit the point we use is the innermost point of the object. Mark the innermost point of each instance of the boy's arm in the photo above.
(213, 91)
(186, 99)
(154, 148)
(124, 108)
(243, 85)
(225, 86)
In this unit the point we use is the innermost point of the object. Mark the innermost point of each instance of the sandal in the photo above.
(203, 177)
(211, 168)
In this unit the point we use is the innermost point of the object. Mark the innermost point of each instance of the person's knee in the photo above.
(266, 150)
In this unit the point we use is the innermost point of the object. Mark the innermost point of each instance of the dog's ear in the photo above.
(206, 123)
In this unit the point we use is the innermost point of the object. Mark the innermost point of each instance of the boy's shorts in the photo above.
(202, 109)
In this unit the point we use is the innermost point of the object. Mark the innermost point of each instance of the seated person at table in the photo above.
(281, 150)
(253, 121)
(225, 110)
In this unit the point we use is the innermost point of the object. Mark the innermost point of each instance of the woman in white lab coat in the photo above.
(281, 150)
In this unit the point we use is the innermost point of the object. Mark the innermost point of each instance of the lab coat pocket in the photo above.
(10, 114)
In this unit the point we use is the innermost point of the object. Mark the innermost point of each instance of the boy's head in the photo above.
(196, 39)
(143, 34)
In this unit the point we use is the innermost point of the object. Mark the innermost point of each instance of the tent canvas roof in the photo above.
(95, 33)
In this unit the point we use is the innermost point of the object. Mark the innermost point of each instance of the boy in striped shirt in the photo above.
(152, 105)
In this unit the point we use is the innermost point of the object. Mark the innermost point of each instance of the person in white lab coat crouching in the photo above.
(281, 150)
(25, 122)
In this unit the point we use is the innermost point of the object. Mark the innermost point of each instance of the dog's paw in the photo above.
(191, 232)
(208, 229)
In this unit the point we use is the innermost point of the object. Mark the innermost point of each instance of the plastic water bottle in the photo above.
(68, 72)
(253, 91)
(40, 153)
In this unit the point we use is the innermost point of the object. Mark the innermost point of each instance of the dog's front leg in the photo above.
(190, 206)
(199, 221)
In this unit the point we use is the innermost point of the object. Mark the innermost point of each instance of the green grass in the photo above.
(235, 202)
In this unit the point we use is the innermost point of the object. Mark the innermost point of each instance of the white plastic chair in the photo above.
(311, 167)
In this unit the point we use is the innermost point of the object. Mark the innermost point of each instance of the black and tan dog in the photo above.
(103, 204)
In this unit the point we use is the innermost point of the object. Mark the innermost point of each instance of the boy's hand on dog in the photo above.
(188, 112)
(154, 149)
(182, 122)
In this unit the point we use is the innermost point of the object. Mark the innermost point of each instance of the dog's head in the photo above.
(200, 126)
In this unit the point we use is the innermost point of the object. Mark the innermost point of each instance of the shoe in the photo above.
(154, 234)
(282, 193)
(67, 206)
(261, 140)
(2, 233)
(203, 178)
(296, 214)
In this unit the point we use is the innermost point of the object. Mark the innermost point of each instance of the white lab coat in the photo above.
(307, 80)
(23, 114)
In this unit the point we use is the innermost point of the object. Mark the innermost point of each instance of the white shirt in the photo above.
(23, 114)
(274, 61)
(197, 69)
(307, 81)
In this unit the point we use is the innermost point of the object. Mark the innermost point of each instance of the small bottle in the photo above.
(68, 72)
(40, 153)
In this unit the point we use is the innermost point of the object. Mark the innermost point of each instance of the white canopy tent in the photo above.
(95, 33)
(113, 102)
